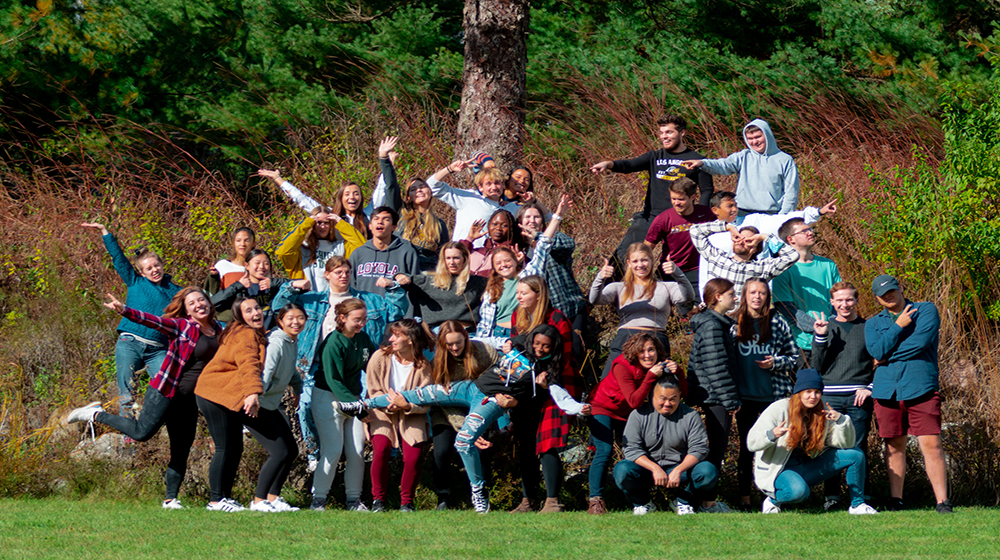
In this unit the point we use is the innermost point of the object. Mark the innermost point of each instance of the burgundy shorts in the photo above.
(918, 417)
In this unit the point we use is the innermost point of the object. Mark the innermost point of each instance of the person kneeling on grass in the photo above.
(665, 444)
(797, 442)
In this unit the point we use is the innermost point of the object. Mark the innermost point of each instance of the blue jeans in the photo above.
(696, 482)
(481, 416)
(131, 355)
(306, 423)
(604, 430)
(861, 417)
(792, 485)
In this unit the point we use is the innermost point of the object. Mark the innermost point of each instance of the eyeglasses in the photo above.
(807, 230)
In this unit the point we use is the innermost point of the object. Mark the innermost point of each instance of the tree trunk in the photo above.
(493, 82)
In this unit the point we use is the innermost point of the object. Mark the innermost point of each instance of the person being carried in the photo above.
(903, 338)
(665, 166)
(665, 444)
(769, 178)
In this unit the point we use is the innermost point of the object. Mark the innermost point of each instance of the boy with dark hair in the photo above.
(664, 166)
(671, 228)
(383, 256)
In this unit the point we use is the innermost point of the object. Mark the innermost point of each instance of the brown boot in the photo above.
(597, 506)
(524, 507)
(552, 505)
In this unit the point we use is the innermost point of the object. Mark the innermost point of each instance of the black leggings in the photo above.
(525, 418)
(443, 451)
(273, 432)
(745, 419)
(179, 413)
(270, 428)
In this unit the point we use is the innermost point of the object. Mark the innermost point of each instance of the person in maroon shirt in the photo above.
(671, 228)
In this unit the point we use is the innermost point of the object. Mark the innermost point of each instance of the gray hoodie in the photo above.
(768, 183)
(369, 264)
(279, 369)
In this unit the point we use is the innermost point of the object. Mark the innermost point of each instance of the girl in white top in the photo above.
(643, 302)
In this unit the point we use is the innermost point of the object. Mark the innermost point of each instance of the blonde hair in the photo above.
(423, 229)
(530, 319)
(630, 280)
(442, 279)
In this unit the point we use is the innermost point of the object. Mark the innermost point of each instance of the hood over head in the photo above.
(772, 147)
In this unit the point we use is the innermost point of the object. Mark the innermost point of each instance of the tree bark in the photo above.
(494, 96)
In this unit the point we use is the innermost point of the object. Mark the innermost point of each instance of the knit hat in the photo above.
(807, 379)
(884, 284)
(479, 159)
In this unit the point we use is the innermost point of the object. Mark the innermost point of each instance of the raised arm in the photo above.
(393, 196)
(297, 196)
(121, 263)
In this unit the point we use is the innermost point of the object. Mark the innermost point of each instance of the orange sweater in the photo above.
(235, 372)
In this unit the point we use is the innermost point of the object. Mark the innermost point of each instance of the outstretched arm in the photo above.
(297, 196)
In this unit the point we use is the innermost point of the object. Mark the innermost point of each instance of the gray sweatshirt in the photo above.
(279, 369)
(768, 182)
(369, 264)
(666, 440)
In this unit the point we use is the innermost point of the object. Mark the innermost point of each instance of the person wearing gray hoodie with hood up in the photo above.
(769, 179)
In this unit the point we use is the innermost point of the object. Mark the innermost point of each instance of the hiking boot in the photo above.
(526, 506)
(552, 505)
(596, 506)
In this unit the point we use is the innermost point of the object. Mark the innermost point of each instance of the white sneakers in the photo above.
(84, 413)
(863, 509)
(172, 503)
(769, 506)
(643, 510)
(225, 504)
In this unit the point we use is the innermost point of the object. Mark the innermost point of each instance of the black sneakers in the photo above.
(944, 507)
(355, 408)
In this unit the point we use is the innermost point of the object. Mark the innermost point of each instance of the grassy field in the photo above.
(90, 529)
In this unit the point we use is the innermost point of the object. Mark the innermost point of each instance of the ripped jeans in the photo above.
(481, 416)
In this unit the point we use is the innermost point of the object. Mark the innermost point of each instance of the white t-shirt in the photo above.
(399, 373)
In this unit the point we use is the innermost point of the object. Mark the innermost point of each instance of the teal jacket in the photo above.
(142, 294)
(911, 354)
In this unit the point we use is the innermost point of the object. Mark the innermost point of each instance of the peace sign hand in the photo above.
(780, 430)
(830, 413)
(821, 325)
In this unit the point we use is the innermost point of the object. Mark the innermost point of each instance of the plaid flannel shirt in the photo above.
(183, 335)
(564, 292)
(723, 265)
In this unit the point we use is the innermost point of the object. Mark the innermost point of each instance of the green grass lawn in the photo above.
(54, 528)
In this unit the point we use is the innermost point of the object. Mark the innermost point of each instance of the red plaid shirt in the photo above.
(183, 335)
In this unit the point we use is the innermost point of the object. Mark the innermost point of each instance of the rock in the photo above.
(108, 447)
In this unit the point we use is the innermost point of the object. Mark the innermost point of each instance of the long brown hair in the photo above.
(444, 362)
(527, 321)
(312, 240)
(745, 321)
(494, 286)
(360, 220)
(419, 338)
(630, 280)
(806, 426)
(239, 323)
(176, 309)
(423, 229)
(443, 279)
(344, 308)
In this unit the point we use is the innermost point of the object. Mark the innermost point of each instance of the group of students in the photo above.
(384, 327)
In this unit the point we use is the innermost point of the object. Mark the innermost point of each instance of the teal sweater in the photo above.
(142, 294)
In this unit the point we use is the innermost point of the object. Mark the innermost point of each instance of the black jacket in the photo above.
(713, 361)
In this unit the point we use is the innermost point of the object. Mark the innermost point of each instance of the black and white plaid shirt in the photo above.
(724, 265)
